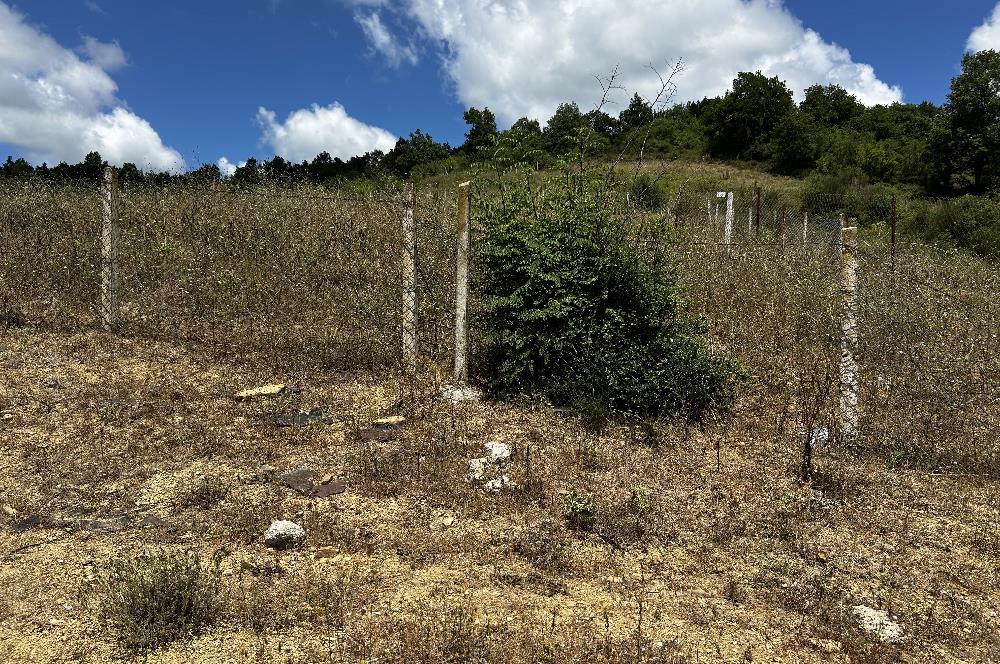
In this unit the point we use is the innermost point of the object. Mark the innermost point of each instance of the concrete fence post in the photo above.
(462, 285)
(805, 228)
(730, 217)
(849, 388)
(109, 250)
(409, 282)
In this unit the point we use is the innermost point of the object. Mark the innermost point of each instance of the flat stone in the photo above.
(300, 479)
(26, 524)
(391, 421)
(331, 487)
(301, 419)
(878, 623)
(106, 525)
(262, 391)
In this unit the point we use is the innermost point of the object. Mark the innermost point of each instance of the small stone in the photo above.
(477, 469)
(284, 535)
(497, 452)
(9, 511)
(263, 391)
(498, 484)
(878, 623)
(391, 421)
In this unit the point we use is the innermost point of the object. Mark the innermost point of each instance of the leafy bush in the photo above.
(148, 601)
(572, 310)
(969, 222)
(646, 192)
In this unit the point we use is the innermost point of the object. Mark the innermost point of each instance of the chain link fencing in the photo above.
(309, 276)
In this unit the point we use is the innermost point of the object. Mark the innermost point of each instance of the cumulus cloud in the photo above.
(228, 168)
(55, 106)
(384, 42)
(987, 35)
(524, 57)
(309, 131)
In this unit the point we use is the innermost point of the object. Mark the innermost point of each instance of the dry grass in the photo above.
(702, 543)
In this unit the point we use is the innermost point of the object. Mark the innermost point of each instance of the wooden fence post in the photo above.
(109, 250)
(849, 413)
(462, 285)
(409, 283)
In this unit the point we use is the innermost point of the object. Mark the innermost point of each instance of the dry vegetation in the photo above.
(623, 541)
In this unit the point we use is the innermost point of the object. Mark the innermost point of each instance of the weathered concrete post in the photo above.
(462, 284)
(849, 413)
(109, 250)
(409, 283)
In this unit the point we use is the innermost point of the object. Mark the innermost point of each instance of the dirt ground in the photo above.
(704, 546)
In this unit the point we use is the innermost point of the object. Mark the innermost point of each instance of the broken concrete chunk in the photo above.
(284, 535)
(262, 391)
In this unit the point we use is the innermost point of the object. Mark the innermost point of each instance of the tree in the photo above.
(482, 132)
(419, 148)
(973, 111)
(830, 105)
(16, 169)
(637, 114)
(563, 129)
(793, 144)
(742, 123)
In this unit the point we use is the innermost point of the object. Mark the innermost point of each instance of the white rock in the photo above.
(284, 535)
(498, 484)
(477, 469)
(878, 623)
(497, 452)
(460, 393)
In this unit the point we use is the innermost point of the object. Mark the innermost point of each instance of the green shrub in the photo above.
(646, 192)
(578, 508)
(570, 309)
(148, 601)
(969, 222)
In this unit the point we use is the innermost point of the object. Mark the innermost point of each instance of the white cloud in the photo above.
(106, 55)
(524, 57)
(54, 106)
(309, 131)
(228, 168)
(384, 42)
(987, 35)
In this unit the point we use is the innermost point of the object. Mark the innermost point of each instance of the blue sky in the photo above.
(173, 85)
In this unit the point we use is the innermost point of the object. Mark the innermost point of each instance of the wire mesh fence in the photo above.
(313, 276)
